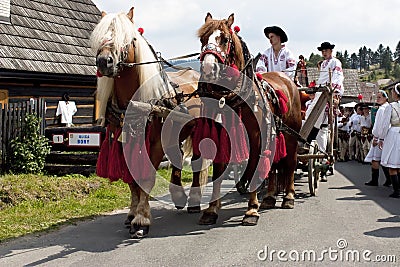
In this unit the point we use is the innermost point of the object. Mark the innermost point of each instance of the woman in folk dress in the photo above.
(374, 154)
(389, 140)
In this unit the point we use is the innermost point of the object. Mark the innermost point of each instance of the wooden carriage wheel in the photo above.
(313, 173)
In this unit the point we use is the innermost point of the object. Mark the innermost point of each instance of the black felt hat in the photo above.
(326, 45)
(278, 31)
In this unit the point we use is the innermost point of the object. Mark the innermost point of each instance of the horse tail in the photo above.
(105, 88)
(188, 152)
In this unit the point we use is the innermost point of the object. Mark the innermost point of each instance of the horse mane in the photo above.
(209, 27)
(119, 31)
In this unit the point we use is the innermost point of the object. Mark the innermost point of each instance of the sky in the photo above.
(171, 25)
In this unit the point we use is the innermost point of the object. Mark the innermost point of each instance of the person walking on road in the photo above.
(389, 140)
(375, 153)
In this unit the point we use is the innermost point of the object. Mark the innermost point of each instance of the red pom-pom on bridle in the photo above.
(141, 31)
(259, 76)
(236, 29)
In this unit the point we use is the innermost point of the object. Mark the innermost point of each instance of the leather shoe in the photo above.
(387, 183)
(370, 183)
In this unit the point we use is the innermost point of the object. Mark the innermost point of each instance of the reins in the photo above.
(161, 60)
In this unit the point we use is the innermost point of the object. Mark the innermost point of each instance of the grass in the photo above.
(35, 203)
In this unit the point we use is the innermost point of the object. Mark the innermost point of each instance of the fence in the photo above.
(12, 120)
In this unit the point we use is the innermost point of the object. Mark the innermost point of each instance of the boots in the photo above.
(388, 182)
(375, 177)
(395, 183)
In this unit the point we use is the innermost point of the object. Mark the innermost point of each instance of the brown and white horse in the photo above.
(128, 70)
(222, 55)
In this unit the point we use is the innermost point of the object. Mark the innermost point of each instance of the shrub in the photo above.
(29, 150)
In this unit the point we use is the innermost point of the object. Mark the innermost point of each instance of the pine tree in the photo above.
(354, 62)
(397, 54)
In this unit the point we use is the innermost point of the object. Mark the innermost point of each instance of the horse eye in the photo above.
(224, 40)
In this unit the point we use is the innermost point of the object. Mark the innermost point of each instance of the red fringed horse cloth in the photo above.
(226, 144)
(129, 161)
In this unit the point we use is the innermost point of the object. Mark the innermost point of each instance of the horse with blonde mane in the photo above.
(129, 71)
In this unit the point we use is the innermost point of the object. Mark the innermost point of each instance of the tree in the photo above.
(354, 62)
(346, 60)
(386, 61)
(396, 71)
(397, 54)
(380, 52)
(314, 59)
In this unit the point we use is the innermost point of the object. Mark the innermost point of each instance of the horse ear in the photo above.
(230, 20)
(130, 13)
(208, 17)
(103, 14)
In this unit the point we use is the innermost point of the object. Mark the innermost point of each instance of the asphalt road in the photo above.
(347, 224)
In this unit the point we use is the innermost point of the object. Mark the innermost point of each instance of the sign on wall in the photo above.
(84, 139)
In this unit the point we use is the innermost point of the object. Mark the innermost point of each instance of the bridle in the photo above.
(216, 50)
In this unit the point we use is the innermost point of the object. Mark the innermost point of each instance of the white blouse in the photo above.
(335, 66)
(285, 62)
(378, 125)
(390, 118)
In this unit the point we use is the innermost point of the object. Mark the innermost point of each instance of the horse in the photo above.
(222, 59)
(128, 69)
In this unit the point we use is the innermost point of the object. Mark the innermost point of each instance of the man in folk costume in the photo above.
(277, 57)
(334, 66)
(366, 124)
(355, 134)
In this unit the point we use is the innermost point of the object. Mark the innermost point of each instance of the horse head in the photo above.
(114, 41)
(221, 48)
(125, 63)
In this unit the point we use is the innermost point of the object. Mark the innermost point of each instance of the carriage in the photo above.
(309, 154)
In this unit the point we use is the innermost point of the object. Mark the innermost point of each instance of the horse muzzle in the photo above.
(105, 66)
(210, 68)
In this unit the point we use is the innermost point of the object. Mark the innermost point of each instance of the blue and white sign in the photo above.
(84, 139)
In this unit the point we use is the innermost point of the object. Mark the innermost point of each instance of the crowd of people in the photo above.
(362, 137)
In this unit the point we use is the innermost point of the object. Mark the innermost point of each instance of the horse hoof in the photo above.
(138, 231)
(287, 203)
(180, 202)
(268, 203)
(193, 209)
(128, 220)
(250, 220)
(208, 218)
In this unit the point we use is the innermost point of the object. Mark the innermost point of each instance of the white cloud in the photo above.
(171, 25)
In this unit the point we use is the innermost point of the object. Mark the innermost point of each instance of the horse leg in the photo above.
(178, 194)
(210, 215)
(176, 189)
(195, 190)
(134, 202)
(251, 216)
(269, 200)
(140, 225)
(288, 174)
(199, 181)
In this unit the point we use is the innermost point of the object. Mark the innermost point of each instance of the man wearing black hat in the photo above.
(330, 64)
(278, 57)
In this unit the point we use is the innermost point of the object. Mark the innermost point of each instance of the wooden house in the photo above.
(45, 52)
(351, 83)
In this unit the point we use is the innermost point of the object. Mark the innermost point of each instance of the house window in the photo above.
(5, 11)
